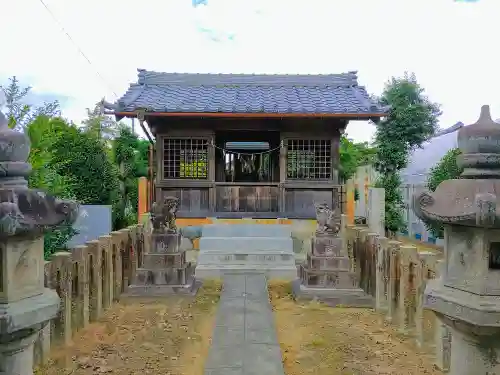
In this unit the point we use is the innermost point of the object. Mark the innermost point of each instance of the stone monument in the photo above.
(26, 306)
(164, 269)
(326, 274)
(467, 296)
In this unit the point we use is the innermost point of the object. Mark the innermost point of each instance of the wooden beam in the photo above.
(351, 116)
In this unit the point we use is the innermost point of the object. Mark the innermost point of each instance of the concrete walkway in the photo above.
(244, 338)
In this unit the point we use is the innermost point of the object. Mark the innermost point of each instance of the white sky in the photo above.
(448, 44)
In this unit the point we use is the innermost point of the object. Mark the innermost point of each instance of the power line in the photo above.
(77, 46)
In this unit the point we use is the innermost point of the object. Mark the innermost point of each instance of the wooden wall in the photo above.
(282, 198)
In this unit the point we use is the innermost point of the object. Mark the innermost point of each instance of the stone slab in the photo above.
(165, 242)
(164, 260)
(289, 273)
(164, 276)
(246, 244)
(328, 262)
(223, 258)
(333, 297)
(247, 230)
(28, 312)
(327, 245)
(244, 338)
(189, 289)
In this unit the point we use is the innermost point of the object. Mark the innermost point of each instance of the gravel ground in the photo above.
(316, 339)
(167, 336)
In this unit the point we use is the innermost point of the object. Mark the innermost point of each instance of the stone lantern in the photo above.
(25, 305)
(467, 298)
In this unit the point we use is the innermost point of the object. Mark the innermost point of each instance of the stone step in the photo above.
(167, 276)
(351, 297)
(190, 288)
(224, 258)
(285, 273)
(246, 244)
(247, 230)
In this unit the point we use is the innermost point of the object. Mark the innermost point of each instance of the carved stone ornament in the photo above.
(25, 211)
(471, 200)
(163, 215)
(326, 219)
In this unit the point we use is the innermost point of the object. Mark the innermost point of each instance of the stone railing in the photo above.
(88, 280)
(396, 274)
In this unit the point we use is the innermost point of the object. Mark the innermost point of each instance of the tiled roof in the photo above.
(247, 93)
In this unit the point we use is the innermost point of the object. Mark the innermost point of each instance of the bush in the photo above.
(446, 169)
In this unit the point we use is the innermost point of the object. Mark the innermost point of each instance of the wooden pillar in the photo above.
(151, 178)
(349, 186)
(143, 198)
(282, 169)
(335, 157)
(212, 192)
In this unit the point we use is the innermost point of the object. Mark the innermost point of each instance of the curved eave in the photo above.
(352, 116)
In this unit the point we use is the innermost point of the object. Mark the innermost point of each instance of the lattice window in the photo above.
(309, 159)
(185, 158)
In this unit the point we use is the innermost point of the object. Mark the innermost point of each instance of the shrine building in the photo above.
(246, 145)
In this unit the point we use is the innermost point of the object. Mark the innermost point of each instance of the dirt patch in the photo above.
(320, 340)
(168, 336)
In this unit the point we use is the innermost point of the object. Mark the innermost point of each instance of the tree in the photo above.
(83, 159)
(446, 169)
(98, 124)
(19, 113)
(129, 153)
(42, 131)
(39, 126)
(72, 164)
(412, 119)
(353, 155)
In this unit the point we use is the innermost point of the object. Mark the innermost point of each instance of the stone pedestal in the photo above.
(472, 320)
(25, 305)
(16, 357)
(326, 274)
(471, 356)
(164, 269)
